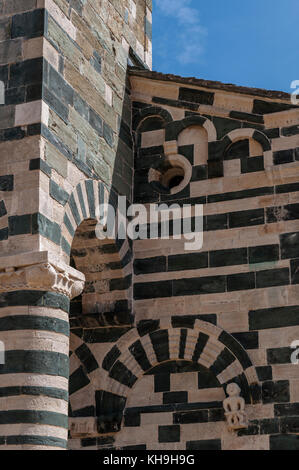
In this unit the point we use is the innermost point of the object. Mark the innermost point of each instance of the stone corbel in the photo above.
(45, 274)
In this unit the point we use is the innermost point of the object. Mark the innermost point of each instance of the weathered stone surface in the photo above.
(78, 129)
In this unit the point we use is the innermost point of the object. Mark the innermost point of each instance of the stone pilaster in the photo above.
(34, 301)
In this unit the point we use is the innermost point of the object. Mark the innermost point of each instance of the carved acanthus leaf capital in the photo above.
(45, 276)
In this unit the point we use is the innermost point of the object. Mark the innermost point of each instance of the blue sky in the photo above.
(246, 42)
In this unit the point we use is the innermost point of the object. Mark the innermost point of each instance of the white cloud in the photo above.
(190, 32)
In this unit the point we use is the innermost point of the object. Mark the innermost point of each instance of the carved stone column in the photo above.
(35, 293)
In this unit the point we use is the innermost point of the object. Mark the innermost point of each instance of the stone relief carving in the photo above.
(42, 276)
(234, 407)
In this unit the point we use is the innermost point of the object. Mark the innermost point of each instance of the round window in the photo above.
(173, 176)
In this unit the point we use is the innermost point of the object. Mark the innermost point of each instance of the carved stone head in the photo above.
(233, 390)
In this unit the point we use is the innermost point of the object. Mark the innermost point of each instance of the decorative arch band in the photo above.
(84, 204)
(173, 129)
(135, 354)
(245, 133)
(151, 112)
(205, 344)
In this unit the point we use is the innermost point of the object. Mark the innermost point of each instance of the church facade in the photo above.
(132, 344)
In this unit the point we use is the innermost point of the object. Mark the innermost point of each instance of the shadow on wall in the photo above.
(103, 312)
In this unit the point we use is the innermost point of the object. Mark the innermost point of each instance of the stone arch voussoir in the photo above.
(83, 204)
(151, 112)
(136, 353)
(173, 129)
(247, 133)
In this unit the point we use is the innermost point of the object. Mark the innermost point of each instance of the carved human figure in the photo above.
(234, 407)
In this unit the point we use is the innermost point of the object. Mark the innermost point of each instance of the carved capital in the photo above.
(48, 275)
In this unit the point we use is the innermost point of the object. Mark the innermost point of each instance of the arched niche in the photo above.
(247, 151)
(197, 137)
(149, 125)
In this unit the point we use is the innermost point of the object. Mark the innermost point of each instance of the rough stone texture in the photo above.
(158, 331)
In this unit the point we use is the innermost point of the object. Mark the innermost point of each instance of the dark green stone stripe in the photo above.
(37, 362)
(68, 225)
(28, 322)
(36, 391)
(74, 209)
(4, 234)
(235, 347)
(65, 246)
(46, 227)
(34, 417)
(90, 197)
(81, 200)
(35, 298)
(35, 440)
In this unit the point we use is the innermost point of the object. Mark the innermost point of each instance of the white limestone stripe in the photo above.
(165, 324)
(149, 350)
(191, 340)
(36, 380)
(112, 296)
(18, 310)
(75, 444)
(243, 182)
(51, 55)
(245, 133)
(230, 372)
(28, 113)
(35, 340)
(66, 25)
(75, 363)
(252, 377)
(34, 312)
(174, 337)
(107, 274)
(4, 221)
(27, 429)
(32, 402)
(128, 269)
(130, 362)
(83, 397)
(28, 447)
(48, 312)
(127, 340)
(116, 387)
(211, 130)
(221, 239)
(206, 395)
(210, 352)
(237, 205)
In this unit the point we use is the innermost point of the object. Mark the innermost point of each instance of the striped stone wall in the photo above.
(34, 328)
(65, 147)
(66, 104)
(243, 151)
(154, 332)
